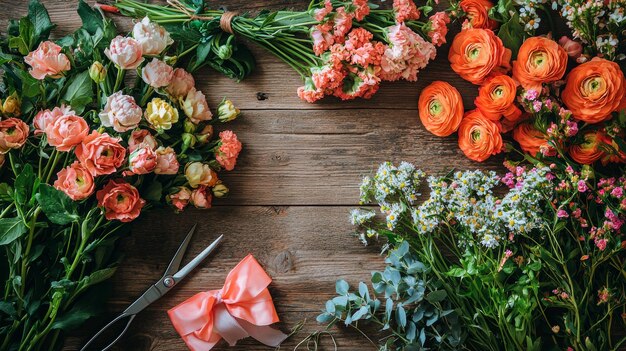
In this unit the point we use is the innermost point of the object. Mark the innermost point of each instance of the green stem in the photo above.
(118, 79)
(24, 266)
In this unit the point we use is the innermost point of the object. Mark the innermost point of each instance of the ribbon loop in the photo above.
(242, 308)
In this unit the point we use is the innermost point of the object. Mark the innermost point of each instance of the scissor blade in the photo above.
(197, 260)
(180, 253)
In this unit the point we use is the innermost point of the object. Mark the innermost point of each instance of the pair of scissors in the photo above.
(171, 277)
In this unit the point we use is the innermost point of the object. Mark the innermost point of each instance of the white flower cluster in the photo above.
(528, 15)
(464, 201)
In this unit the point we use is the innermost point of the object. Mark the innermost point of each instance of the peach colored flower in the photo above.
(530, 139)
(157, 73)
(75, 181)
(182, 82)
(477, 12)
(45, 117)
(405, 10)
(152, 37)
(438, 28)
(198, 173)
(66, 132)
(166, 162)
(141, 138)
(121, 112)
(496, 98)
(142, 161)
(201, 198)
(475, 54)
(440, 108)
(196, 107)
(100, 153)
(594, 90)
(120, 201)
(342, 24)
(179, 199)
(479, 137)
(229, 150)
(13, 134)
(540, 60)
(124, 52)
(47, 61)
(573, 48)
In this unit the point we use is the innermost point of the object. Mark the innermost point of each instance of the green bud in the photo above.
(205, 134)
(189, 126)
(97, 72)
(220, 190)
(226, 111)
(189, 140)
(225, 52)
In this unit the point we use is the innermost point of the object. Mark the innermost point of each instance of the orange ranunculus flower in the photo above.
(477, 12)
(616, 155)
(440, 108)
(589, 151)
(479, 137)
(476, 53)
(496, 98)
(594, 90)
(540, 60)
(530, 139)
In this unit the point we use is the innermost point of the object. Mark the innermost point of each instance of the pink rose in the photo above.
(100, 153)
(229, 150)
(75, 181)
(157, 73)
(198, 173)
(201, 198)
(166, 162)
(120, 201)
(45, 117)
(124, 52)
(196, 106)
(142, 161)
(121, 112)
(47, 60)
(66, 132)
(180, 199)
(573, 48)
(141, 138)
(13, 134)
(152, 37)
(182, 82)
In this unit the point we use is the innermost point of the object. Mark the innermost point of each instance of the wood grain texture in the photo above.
(290, 193)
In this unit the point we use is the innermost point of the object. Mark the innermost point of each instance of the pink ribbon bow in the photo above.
(242, 308)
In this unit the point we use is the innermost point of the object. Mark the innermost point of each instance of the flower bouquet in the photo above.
(339, 48)
(82, 153)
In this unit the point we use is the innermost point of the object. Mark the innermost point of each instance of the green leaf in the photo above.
(401, 316)
(154, 191)
(24, 184)
(90, 17)
(436, 296)
(342, 287)
(97, 277)
(80, 92)
(7, 308)
(512, 34)
(38, 16)
(90, 305)
(6, 192)
(11, 229)
(362, 312)
(57, 206)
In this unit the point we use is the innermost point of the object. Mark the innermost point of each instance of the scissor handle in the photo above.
(95, 337)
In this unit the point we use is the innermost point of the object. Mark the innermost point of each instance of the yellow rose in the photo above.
(160, 114)
(11, 106)
(198, 173)
(226, 111)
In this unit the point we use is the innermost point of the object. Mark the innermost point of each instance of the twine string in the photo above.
(225, 20)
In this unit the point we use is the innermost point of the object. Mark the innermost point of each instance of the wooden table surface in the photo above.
(291, 192)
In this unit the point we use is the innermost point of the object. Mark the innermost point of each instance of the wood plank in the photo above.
(273, 78)
(305, 249)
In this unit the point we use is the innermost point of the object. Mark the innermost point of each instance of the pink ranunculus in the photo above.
(75, 181)
(100, 154)
(120, 201)
(124, 52)
(121, 112)
(152, 37)
(157, 73)
(196, 107)
(142, 161)
(66, 132)
(141, 138)
(13, 134)
(180, 199)
(47, 61)
(201, 198)
(229, 150)
(182, 82)
(573, 48)
(45, 117)
(166, 162)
